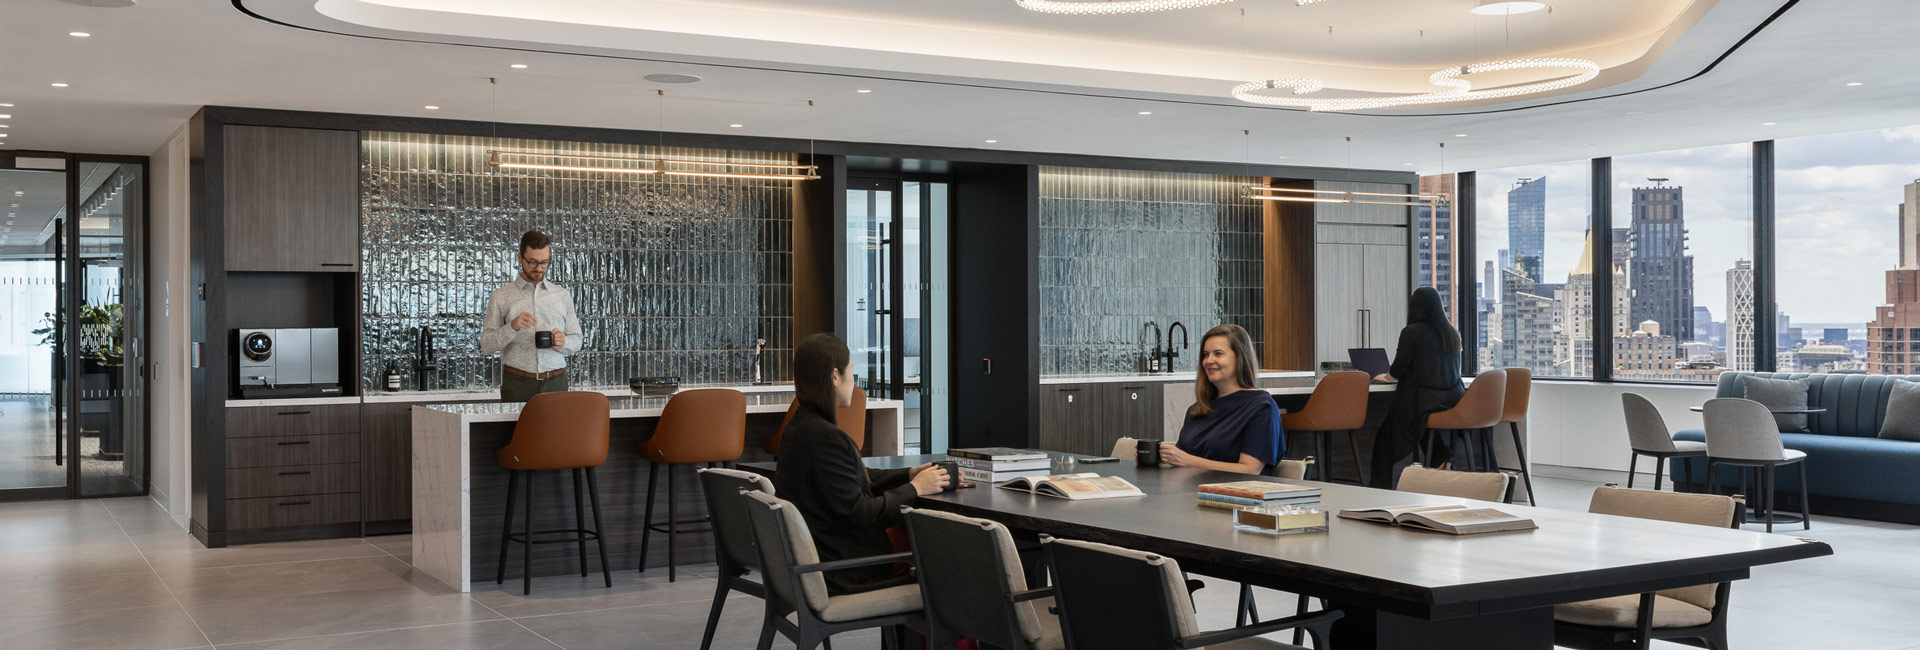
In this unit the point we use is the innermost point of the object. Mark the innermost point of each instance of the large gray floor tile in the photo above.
(176, 553)
(139, 628)
(569, 594)
(283, 617)
(1845, 602)
(488, 635)
(295, 578)
(105, 554)
(63, 596)
(676, 625)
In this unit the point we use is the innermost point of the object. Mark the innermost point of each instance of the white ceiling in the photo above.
(147, 68)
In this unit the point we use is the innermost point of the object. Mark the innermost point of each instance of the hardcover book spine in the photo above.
(1245, 494)
(1223, 498)
(1220, 504)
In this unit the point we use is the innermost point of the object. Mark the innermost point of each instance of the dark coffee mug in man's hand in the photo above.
(543, 339)
(1147, 452)
(953, 474)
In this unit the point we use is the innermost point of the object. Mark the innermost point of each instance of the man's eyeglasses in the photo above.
(538, 265)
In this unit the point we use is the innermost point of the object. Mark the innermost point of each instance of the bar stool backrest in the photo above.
(700, 426)
(1112, 597)
(1479, 408)
(852, 420)
(559, 431)
(732, 526)
(1338, 403)
(969, 571)
(1519, 393)
(1741, 429)
(1646, 430)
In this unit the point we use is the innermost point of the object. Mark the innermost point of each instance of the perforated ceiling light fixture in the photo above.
(1095, 8)
(1451, 87)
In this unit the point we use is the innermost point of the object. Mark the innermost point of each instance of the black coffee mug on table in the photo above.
(953, 474)
(543, 339)
(1147, 452)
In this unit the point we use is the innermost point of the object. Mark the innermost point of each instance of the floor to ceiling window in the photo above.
(1535, 282)
(1683, 268)
(1848, 243)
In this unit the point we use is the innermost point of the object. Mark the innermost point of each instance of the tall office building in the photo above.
(1910, 227)
(1526, 326)
(1893, 338)
(1436, 240)
(1527, 226)
(1622, 246)
(1574, 346)
(1661, 269)
(1834, 336)
(1740, 316)
(1703, 323)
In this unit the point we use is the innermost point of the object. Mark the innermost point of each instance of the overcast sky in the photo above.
(1836, 201)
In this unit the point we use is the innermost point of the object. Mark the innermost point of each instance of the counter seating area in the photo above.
(1850, 471)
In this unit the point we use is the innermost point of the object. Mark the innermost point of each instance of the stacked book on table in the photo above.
(999, 464)
(1240, 494)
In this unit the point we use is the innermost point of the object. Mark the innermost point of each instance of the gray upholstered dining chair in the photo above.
(798, 605)
(1744, 433)
(1483, 486)
(1112, 597)
(1697, 613)
(973, 585)
(733, 533)
(1647, 434)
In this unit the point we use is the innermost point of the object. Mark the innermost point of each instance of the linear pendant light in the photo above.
(635, 165)
(1301, 195)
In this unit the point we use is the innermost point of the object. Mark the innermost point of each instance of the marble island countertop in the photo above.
(477, 395)
(1155, 377)
(626, 406)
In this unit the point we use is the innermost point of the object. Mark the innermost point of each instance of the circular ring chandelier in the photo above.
(1451, 87)
(1096, 7)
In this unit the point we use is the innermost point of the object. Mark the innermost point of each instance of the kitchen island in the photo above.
(459, 489)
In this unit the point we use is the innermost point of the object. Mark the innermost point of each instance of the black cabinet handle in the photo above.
(297, 442)
(336, 264)
(295, 413)
(295, 473)
(296, 503)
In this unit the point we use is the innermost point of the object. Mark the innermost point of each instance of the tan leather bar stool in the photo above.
(1338, 403)
(1479, 408)
(852, 419)
(1513, 411)
(556, 432)
(698, 426)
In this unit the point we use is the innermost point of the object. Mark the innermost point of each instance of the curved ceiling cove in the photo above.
(1355, 49)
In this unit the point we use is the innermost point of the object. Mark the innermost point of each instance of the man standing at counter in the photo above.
(531, 323)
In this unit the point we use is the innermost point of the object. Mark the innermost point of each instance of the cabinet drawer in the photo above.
(255, 421)
(293, 450)
(293, 480)
(274, 512)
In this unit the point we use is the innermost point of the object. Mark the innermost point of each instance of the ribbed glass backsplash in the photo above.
(671, 275)
(1120, 248)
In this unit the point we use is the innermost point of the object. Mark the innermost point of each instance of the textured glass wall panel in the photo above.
(671, 275)
(1120, 248)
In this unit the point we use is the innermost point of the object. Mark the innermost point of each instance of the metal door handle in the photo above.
(295, 473)
(295, 503)
(295, 413)
(299, 442)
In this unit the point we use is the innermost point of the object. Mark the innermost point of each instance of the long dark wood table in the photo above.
(1400, 587)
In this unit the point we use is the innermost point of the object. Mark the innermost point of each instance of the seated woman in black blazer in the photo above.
(1233, 426)
(847, 507)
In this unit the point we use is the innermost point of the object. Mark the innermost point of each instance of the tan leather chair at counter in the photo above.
(556, 432)
(1338, 403)
(852, 419)
(698, 426)
(1480, 408)
(1512, 412)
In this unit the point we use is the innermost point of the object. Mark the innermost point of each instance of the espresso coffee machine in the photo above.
(302, 362)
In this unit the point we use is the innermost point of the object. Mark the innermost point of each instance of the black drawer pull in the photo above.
(295, 413)
(296, 503)
(296, 442)
(336, 264)
(295, 473)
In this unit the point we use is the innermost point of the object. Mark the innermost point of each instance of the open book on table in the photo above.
(1454, 518)
(1075, 487)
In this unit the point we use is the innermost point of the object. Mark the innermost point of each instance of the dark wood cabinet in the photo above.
(292, 199)
(289, 467)
(1087, 418)
(253, 422)
(293, 450)
(285, 511)
(293, 480)
(1131, 411)
(386, 436)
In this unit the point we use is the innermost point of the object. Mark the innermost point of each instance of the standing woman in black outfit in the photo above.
(847, 507)
(1427, 368)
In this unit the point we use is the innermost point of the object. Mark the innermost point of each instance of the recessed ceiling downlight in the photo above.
(673, 78)
(1508, 8)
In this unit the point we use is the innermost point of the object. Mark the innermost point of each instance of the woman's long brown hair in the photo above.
(1246, 368)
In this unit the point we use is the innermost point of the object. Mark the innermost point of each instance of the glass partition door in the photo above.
(896, 311)
(34, 454)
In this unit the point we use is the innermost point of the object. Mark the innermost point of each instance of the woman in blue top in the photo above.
(1233, 426)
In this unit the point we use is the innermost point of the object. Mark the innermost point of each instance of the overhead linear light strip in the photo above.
(1085, 8)
(1300, 195)
(658, 166)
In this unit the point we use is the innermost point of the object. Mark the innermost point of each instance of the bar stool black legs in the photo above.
(672, 525)
(579, 534)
